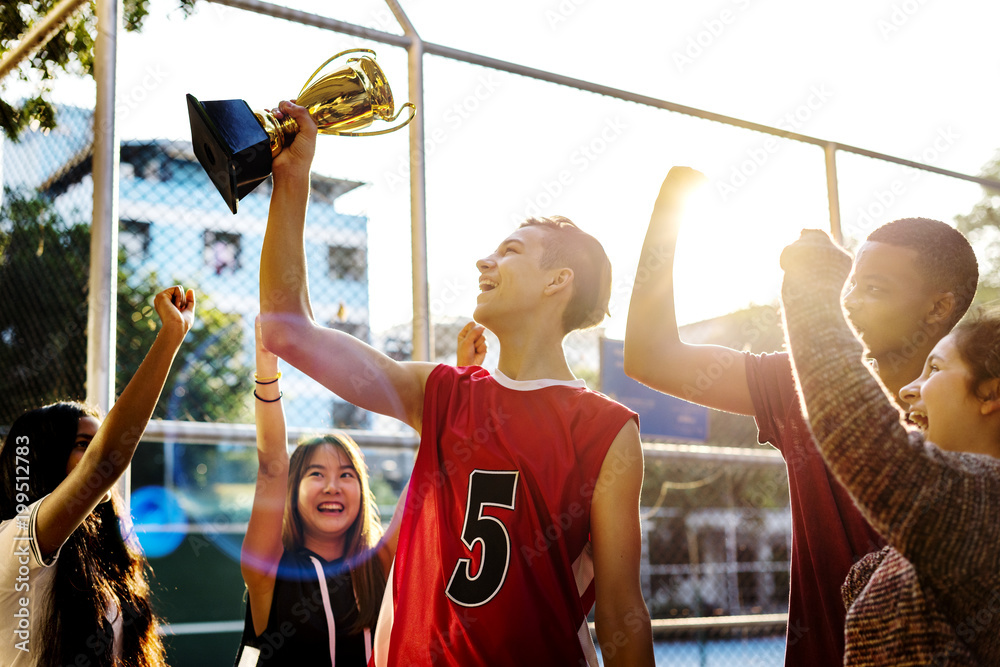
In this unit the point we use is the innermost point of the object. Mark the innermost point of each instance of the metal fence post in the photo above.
(103, 286)
(423, 335)
(832, 192)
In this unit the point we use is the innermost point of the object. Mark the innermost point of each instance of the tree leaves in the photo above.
(44, 263)
(69, 51)
(982, 227)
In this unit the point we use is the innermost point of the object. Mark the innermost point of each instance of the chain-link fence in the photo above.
(716, 527)
(174, 229)
(716, 531)
(716, 535)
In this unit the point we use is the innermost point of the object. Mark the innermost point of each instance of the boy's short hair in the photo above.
(566, 245)
(945, 255)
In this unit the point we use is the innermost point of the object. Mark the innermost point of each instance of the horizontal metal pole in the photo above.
(277, 11)
(214, 433)
(194, 528)
(207, 628)
(661, 626)
(315, 20)
(743, 455)
(665, 627)
(646, 100)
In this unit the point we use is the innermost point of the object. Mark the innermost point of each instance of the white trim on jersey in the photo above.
(531, 385)
(383, 628)
(583, 571)
(587, 644)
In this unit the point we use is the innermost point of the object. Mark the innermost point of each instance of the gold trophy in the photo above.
(236, 145)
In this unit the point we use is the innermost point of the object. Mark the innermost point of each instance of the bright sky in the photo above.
(905, 77)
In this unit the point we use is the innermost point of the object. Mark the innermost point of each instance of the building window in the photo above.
(133, 237)
(347, 262)
(222, 251)
(157, 169)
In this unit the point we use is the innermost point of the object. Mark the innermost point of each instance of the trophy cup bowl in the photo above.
(236, 145)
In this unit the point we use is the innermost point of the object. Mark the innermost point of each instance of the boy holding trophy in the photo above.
(523, 506)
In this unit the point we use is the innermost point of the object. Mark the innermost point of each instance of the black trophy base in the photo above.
(231, 146)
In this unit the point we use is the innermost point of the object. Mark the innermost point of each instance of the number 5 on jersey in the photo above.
(493, 488)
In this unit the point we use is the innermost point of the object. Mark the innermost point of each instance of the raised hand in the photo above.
(665, 222)
(814, 260)
(471, 345)
(175, 308)
(300, 154)
(678, 182)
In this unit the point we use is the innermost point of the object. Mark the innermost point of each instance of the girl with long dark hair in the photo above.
(72, 592)
(312, 560)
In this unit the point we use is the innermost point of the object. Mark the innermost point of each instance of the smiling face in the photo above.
(329, 500)
(887, 298)
(512, 280)
(942, 403)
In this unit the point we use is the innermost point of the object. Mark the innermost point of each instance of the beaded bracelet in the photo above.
(267, 380)
(268, 400)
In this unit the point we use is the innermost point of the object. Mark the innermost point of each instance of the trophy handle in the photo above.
(330, 60)
(409, 105)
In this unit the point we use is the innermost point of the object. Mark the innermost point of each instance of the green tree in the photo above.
(209, 380)
(43, 325)
(982, 226)
(70, 51)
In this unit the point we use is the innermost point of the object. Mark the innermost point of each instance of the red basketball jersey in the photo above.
(493, 564)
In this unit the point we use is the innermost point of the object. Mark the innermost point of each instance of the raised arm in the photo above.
(262, 546)
(110, 451)
(350, 368)
(937, 508)
(620, 616)
(655, 355)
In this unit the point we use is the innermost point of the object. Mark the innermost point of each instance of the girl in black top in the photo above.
(312, 561)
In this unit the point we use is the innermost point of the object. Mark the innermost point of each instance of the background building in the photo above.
(175, 228)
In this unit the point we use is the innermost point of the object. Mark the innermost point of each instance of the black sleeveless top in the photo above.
(297, 630)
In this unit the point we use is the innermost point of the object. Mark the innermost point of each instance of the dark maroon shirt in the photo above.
(828, 532)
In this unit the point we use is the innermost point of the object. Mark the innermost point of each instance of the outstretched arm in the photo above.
(350, 368)
(620, 616)
(655, 355)
(110, 451)
(262, 546)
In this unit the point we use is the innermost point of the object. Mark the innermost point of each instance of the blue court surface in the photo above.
(756, 652)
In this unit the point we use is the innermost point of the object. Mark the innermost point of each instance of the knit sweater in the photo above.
(933, 596)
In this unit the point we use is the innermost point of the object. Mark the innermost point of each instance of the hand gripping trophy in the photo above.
(236, 145)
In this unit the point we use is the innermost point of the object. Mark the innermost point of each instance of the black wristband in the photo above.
(268, 400)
